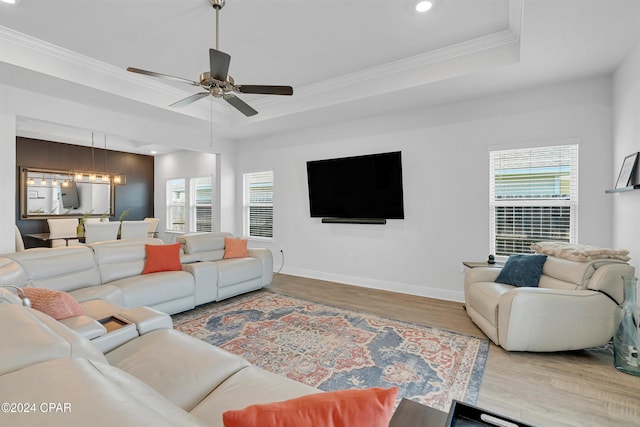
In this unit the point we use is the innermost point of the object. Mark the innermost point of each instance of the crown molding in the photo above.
(496, 49)
(386, 72)
(492, 50)
(28, 52)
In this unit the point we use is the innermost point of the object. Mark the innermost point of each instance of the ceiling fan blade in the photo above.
(219, 64)
(163, 76)
(188, 100)
(240, 105)
(266, 90)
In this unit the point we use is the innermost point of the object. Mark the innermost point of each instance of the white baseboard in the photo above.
(384, 285)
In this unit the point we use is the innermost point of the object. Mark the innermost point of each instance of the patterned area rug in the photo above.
(331, 348)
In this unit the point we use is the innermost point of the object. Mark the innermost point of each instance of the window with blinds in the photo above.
(533, 197)
(258, 204)
(201, 205)
(176, 198)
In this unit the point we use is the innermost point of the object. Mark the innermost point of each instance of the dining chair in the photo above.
(61, 228)
(93, 220)
(134, 229)
(153, 224)
(19, 241)
(101, 231)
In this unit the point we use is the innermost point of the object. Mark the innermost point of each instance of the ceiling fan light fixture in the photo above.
(217, 82)
(423, 6)
(217, 4)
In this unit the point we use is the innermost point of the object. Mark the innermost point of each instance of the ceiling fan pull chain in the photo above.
(211, 122)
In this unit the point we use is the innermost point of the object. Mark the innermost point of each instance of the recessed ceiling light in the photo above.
(153, 152)
(11, 1)
(423, 6)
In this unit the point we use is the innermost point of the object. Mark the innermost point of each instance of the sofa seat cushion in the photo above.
(155, 288)
(250, 386)
(181, 368)
(237, 270)
(89, 394)
(110, 293)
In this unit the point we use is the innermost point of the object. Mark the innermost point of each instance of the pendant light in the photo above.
(105, 175)
(92, 175)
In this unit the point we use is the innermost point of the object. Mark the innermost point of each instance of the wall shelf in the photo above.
(623, 189)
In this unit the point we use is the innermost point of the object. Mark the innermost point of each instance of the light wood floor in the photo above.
(580, 388)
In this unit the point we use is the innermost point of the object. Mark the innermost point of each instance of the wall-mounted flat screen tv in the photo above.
(361, 187)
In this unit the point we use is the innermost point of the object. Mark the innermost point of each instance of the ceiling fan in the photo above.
(217, 82)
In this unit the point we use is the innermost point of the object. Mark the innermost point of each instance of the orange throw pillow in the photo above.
(371, 407)
(57, 304)
(162, 258)
(235, 248)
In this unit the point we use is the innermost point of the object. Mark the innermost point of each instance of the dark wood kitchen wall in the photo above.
(136, 195)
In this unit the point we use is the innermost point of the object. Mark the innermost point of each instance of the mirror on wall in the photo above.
(46, 193)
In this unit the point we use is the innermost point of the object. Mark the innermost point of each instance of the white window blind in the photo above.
(258, 204)
(533, 197)
(176, 197)
(201, 205)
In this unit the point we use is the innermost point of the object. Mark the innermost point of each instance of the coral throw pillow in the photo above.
(162, 258)
(57, 304)
(371, 407)
(235, 248)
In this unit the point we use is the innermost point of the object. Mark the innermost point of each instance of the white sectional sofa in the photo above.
(52, 376)
(121, 363)
(112, 271)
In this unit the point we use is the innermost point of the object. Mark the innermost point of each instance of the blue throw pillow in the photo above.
(522, 270)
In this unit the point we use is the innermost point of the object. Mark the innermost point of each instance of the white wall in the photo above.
(626, 140)
(445, 167)
(190, 164)
(193, 134)
(7, 182)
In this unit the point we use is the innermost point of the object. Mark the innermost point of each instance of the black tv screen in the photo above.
(361, 187)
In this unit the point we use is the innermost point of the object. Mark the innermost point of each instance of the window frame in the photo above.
(189, 204)
(247, 204)
(194, 205)
(568, 151)
(170, 204)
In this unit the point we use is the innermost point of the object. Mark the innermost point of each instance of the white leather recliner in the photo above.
(572, 308)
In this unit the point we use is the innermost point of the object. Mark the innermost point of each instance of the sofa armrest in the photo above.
(205, 275)
(84, 325)
(542, 319)
(608, 279)
(479, 274)
(11, 273)
(266, 258)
